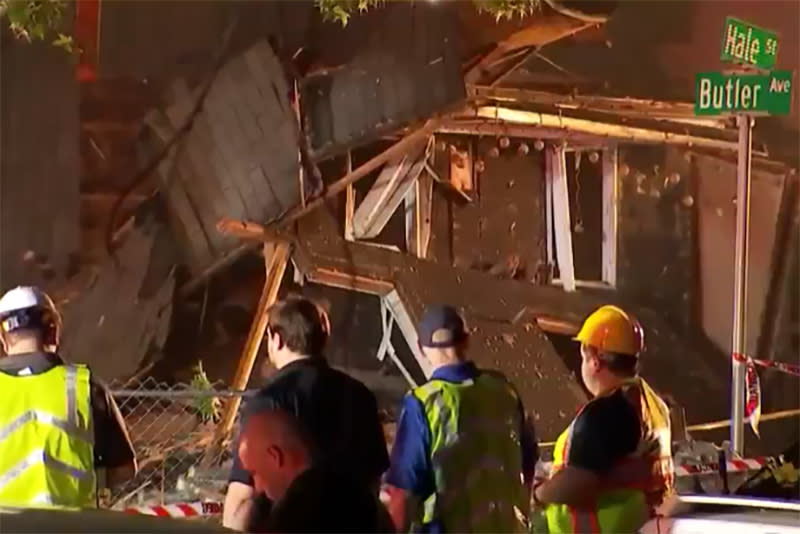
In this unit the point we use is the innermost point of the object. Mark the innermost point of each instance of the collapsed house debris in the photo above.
(118, 323)
(525, 205)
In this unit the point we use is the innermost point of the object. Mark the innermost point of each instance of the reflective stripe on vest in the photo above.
(627, 497)
(475, 453)
(47, 438)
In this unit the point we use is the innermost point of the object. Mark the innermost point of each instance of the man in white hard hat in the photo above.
(57, 425)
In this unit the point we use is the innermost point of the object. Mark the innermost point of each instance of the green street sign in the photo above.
(744, 43)
(758, 94)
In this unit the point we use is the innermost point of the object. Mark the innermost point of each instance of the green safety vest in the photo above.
(633, 488)
(47, 439)
(475, 454)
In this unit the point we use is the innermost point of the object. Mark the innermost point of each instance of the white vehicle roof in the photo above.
(701, 514)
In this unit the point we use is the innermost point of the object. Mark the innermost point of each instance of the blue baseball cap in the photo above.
(441, 327)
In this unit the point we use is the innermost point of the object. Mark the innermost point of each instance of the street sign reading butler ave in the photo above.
(768, 94)
(744, 43)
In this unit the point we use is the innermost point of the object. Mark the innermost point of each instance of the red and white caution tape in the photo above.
(194, 509)
(744, 464)
(752, 409)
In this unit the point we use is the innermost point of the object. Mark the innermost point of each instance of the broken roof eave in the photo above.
(679, 112)
(502, 120)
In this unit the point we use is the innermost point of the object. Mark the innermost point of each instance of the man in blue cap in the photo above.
(464, 455)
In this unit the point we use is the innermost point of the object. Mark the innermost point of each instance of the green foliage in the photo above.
(341, 10)
(207, 407)
(37, 20)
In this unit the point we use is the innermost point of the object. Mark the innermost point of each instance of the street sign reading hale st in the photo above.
(767, 94)
(744, 43)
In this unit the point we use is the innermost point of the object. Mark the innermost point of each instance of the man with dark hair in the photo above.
(464, 455)
(613, 466)
(338, 413)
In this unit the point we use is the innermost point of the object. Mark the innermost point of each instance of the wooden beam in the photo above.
(340, 185)
(299, 212)
(636, 107)
(610, 216)
(419, 203)
(388, 191)
(353, 282)
(557, 173)
(635, 134)
(275, 268)
(350, 201)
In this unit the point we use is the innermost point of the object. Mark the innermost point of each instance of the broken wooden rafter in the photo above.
(633, 107)
(554, 24)
(352, 282)
(314, 203)
(538, 125)
(388, 191)
(275, 266)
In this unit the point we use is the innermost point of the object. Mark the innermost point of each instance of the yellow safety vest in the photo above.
(475, 455)
(633, 488)
(47, 439)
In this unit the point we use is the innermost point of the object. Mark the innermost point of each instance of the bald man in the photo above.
(274, 449)
(308, 498)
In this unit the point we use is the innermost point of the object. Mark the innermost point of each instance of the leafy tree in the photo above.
(37, 20)
(341, 10)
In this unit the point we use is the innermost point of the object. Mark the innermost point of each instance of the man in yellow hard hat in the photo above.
(613, 465)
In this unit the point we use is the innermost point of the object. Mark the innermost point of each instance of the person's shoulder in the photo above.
(607, 407)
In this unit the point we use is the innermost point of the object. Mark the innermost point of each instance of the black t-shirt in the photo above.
(112, 447)
(337, 411)
(606, 431)
(323, 499)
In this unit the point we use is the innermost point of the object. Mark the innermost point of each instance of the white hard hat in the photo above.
(25, 297)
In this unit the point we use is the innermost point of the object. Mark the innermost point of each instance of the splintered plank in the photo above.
(388, 192)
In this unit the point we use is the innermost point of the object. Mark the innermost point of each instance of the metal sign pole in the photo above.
(740, 282)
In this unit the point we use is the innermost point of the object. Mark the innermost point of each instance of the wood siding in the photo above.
(240, 158)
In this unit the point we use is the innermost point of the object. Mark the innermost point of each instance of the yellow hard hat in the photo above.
(610, 329)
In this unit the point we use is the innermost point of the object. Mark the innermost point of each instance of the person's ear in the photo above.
(276, 455)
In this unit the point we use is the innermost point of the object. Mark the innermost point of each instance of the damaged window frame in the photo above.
(558, 222)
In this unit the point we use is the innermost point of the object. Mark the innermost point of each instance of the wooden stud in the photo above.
(610, 215)
(387, 193)
(419, 204)
(350, 202)
(276, 263)
(557, 173)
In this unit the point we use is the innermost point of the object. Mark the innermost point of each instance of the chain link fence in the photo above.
(172, 428)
